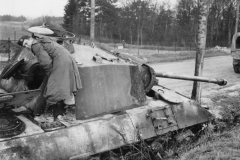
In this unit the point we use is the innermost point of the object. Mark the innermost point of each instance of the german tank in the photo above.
(120, 103)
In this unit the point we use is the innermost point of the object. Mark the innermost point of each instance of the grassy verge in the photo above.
(12, 30)
(215, 140)
(184, 55)
(220, 139)
(157, 56)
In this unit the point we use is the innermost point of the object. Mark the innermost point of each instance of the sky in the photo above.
(38, 8)
(32, 8)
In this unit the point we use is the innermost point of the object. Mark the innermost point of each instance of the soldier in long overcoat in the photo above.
(60, 66)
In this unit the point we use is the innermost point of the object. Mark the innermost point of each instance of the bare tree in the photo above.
(201, 45)
(237, 16)
(144, 21)
(92, 28)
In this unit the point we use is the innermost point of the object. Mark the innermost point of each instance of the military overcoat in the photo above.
(61, 67)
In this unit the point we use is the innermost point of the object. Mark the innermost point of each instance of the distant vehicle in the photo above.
(235, 52)
(120, 103)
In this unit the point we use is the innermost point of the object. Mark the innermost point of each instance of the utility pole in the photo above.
(92, 25)
(14, 35)
(237, 16)
(201, 45)
(9, 50)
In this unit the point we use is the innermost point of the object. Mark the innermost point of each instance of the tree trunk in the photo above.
(131, 33)
(212, 30)
(237, 16)
(77, 23)
(92, 25)
(111, 34)
(217, 25)
(138, 35)
(229, 32)
(101, 28)
(166, 30)
(201, 45)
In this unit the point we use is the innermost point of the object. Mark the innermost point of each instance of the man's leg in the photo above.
(70, 100)
(59, 109)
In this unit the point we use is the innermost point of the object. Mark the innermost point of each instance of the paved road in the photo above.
(215, 67)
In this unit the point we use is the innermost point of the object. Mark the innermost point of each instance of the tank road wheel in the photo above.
(236, 68)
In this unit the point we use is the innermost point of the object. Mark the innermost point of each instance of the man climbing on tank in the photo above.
(61, 69)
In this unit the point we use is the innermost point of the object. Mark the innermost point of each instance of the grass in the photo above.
(150, 47)
(155, 56)
(8, 30)
(184, 55)
(220, 146)
(10, 33)
(215, 140)
(220, 140)
(217, 145)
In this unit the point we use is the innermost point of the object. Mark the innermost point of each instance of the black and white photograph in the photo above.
(119, 80)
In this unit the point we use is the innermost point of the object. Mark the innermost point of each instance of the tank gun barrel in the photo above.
(220, 82)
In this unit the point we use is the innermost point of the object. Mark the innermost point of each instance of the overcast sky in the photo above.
(32, 8)
(38, 8)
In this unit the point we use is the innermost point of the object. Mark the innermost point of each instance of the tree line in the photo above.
(148, 22)
(51, 21)
(12, 18)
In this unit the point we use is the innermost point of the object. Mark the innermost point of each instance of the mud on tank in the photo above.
(120, 103)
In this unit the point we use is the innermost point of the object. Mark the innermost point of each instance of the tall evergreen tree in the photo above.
(68, 18)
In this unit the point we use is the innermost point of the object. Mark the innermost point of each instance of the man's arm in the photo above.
(42, 56)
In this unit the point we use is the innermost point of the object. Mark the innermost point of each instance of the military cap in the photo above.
(21, 40)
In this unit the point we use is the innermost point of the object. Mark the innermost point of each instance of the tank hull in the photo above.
(96, 135)
(140, 116)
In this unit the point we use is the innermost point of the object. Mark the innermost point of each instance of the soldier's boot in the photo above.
(59, 110)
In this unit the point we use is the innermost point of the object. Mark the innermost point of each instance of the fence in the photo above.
(7, 49)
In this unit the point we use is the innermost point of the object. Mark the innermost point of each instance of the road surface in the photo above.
(214, 67)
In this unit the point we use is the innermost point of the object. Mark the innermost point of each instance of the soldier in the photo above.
(61, 69)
